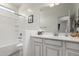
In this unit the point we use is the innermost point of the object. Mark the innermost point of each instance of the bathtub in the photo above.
(8, 49)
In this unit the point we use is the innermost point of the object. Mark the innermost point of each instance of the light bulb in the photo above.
(51, 5)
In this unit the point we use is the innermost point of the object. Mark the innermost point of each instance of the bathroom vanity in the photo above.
(49, 45)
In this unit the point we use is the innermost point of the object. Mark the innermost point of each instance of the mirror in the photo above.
(59, 18)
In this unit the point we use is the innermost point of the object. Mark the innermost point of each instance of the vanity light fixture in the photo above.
(53, 4)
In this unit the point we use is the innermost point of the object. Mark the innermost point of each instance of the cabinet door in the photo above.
(70, 52)
(72, 49)
(52, 51)
(37, 49)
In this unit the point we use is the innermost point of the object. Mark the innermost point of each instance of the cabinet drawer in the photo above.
(37, 40)
(72, 45)
(53, 42)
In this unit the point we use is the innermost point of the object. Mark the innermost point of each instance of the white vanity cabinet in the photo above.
(52, 48)
(37, 49)
(46, 47)
(37, 46)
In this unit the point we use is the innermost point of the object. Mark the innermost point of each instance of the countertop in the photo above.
(64, 38)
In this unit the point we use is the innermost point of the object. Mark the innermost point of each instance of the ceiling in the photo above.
(29, 5)
(34, 5)
(17, 6)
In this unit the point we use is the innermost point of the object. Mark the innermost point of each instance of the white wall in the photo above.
(35, 12)
(8, 34)
(27, 28)
(49, 16)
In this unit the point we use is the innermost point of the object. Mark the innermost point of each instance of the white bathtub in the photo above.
(8, 49)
